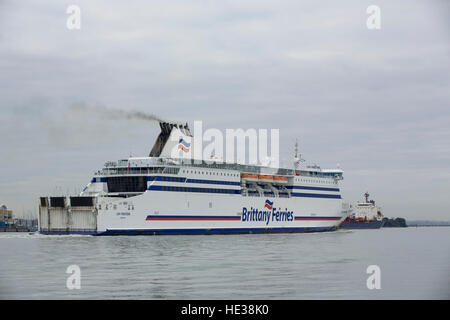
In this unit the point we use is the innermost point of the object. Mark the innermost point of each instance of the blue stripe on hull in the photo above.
(137, 232)
(194, 189)
(235, 191)
(312, 188)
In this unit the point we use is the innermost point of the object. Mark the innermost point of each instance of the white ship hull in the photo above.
(159, 212)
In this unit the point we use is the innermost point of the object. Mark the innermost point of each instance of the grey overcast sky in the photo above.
(374, 101)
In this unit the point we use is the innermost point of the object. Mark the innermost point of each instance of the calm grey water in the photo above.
(414, 263)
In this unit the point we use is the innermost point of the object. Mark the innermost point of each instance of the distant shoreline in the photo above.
(428, 225)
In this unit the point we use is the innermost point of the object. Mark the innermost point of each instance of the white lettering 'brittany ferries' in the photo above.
(160, 194)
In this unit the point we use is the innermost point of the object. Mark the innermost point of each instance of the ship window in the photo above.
(57, 202)
(81, 201)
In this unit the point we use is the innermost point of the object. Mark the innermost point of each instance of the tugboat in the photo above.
(366, 215)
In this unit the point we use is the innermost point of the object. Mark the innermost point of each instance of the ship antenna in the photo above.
(367, 196)
(297, 156)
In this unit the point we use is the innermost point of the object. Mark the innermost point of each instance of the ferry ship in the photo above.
(161, 195)
(366, 215)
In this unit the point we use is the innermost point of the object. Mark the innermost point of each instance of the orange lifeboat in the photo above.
(265, 178)
(249, 176)
(280, 179)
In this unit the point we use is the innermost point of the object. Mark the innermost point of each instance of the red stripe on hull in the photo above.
(316, 219)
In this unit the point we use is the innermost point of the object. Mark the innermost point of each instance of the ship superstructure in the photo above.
(163, 194)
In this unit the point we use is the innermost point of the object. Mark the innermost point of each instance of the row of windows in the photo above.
(171, 170)
(187, 189)
(212, 173)
(232, 183)
(172, 179)
(315, 181)
(135, 170)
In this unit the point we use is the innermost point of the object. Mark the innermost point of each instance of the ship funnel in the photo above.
(166, 129)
